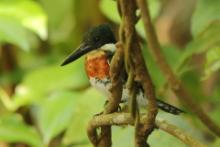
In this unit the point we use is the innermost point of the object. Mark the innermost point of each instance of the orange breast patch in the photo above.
(97, 66)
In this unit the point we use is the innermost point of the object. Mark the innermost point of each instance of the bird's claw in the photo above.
(102, 112)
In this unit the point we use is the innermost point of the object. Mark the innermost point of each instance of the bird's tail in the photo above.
(168, 108)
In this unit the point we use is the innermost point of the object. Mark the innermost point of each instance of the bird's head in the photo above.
(94, 39)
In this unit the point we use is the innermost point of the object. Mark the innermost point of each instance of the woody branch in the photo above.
(104, 139)
(176, 85)
(141, 74)
(126, 119)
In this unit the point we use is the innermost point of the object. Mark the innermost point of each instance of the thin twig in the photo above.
(177, 87)
(178, 133)
(127, 119)
(116, 73)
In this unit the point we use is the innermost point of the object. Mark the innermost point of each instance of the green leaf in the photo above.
(207, 40)
(205, 29)
(206, 13)
(161, 138)
(212, 61)
(105, 6)
(215, 114)
(216, 143)
(12, 32)
(155, 73)
(55, 113)
(125, 137)
(13, 129)
(172, 55)
(86, 105)
(28, 13)
(192, 80)
(39, 83)
(6, 100)
(60, 23)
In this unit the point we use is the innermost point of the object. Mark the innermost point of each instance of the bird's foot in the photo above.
(119, 106)
(100, 113)
(105, 104)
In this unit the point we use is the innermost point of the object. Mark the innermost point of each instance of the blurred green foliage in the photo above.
(17, 18)
(58, 102)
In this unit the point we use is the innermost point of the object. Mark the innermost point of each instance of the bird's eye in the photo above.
(96, 39)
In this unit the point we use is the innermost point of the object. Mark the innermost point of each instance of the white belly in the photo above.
(104, 86)
(101, 86)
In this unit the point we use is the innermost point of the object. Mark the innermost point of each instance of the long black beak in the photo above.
(82, 50)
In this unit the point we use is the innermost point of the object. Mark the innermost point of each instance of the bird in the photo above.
(98, 45)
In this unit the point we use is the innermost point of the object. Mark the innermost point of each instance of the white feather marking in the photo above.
(108, 47)
(103, 86)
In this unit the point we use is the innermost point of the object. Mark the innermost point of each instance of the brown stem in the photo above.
(8, 64)
(129, 18)
(116, 73)
(105, 137)
(104, 140)
(176, 85)
(116, 91)
(178, 133)
(127, 119)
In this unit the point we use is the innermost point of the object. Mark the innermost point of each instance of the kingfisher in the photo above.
(98, 45)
